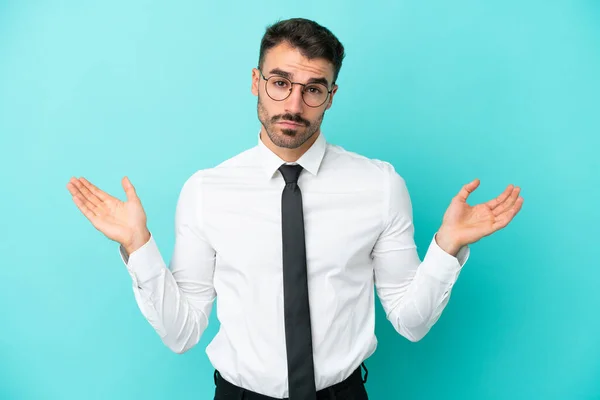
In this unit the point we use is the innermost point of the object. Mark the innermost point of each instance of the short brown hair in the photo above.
(312, 39)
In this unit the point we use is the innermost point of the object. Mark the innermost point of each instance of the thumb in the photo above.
(467, 189)
(129, 189)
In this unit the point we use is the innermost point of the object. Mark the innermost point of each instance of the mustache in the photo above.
(291, 117)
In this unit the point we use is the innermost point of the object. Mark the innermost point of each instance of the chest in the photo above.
(244, 228)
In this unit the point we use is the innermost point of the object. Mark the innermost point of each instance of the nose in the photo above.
(294, 103)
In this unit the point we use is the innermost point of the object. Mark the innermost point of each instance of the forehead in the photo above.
(289, 59)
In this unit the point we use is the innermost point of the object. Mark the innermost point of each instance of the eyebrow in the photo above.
(285, 74)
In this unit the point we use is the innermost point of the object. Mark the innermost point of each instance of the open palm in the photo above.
(468, 223)
(123, 222)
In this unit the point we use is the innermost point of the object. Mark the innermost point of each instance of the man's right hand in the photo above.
(123, 222)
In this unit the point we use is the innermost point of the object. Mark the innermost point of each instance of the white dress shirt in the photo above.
(359, 236)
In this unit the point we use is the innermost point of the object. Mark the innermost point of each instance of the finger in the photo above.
(467, 190)
(97, 192)
(85, 210)
(129, 189)
(492, 204)
(503, 219)
(508, 203)
(83, 197)
(72, 189)
(88, 194)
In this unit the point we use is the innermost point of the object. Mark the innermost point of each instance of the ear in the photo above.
(333, 92)
(255, 81)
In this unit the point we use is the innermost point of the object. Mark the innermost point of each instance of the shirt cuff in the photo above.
(143, 264)
(443, 266)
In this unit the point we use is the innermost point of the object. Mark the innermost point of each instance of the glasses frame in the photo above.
(292, 88)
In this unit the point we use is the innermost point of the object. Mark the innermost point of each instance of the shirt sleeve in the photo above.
(177, 300)
(413, 292)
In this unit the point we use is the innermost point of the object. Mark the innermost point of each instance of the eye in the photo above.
(280, 83)
(315, 89)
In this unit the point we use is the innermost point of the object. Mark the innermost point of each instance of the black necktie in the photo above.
(298, 339)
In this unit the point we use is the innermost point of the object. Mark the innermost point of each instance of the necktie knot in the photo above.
(290, 173)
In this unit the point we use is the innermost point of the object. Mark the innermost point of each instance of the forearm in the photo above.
(419, 307)
(413, 292)
(167, 309)
(177, 315)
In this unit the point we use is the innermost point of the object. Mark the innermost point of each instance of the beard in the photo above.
(288, 138)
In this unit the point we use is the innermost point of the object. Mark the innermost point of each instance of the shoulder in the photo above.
(239, 164)
(361, 166)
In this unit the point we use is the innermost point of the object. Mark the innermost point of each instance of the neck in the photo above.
(288, 155)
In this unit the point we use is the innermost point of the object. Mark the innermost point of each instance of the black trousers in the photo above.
(353, 388)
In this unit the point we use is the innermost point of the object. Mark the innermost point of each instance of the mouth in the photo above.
(289, 124)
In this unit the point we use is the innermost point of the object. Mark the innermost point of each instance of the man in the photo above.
(293, 235)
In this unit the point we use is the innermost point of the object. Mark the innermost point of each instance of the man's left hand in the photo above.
(464, 224)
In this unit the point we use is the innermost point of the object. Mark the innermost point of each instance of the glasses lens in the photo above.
(278, 88)
(315, 94)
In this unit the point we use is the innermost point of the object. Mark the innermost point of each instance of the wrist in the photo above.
(447, 242)
(138, 239)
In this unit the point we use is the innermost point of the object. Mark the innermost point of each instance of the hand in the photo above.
(123, 222)
(464, 224)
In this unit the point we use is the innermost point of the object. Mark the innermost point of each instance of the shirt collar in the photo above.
(310, 160)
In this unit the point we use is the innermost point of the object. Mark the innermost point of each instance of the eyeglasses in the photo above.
(279, 88)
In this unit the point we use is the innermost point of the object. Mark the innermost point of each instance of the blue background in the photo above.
(506, 91)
